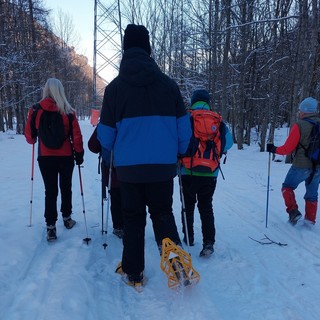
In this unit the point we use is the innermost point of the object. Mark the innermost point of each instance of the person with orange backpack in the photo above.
(199, 173)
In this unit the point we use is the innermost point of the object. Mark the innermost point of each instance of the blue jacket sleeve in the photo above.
(106, 156)
(106, 136)
(229, 140)
(184, 133)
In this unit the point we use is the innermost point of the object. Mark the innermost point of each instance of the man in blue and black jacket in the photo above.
(144, 121)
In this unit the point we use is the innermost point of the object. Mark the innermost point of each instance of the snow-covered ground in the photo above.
(69, 279)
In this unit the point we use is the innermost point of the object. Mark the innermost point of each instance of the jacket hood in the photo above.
(137, 68)
(48, 104)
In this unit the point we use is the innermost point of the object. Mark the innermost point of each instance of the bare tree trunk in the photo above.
(226, 50)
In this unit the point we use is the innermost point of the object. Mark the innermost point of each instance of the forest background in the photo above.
(257, 58)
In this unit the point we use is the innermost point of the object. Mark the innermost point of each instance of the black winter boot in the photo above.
(294, 216)
(51, 233)
(207, 250)
(68, 222)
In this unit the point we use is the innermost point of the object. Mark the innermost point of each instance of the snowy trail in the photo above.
(276, 277)
(69, 279)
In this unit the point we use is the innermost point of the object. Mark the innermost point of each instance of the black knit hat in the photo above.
(136, 36)
(200, 95)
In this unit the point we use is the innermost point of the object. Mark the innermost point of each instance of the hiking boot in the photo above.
(118, 232)
(132, 278)
(294, 216)
(68, 222)
(51, 233)
(191, 241)
(179, 271)
(207, 250)
(135, 280)
(309, 222)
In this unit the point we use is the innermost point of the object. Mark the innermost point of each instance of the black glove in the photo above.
(271, 148)
(78, 157)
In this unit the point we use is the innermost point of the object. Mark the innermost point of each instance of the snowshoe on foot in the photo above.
(177, 265)
(51, 233)
(137, 281)
(68, 222)
(207, 250)
(294, 216)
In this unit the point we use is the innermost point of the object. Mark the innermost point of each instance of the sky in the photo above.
(70, 279)
(82, 14)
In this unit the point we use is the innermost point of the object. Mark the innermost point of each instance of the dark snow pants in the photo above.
(56, 170)
(199, 190)
(135, 197)
(115, 208)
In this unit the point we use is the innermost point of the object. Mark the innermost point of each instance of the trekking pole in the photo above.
(87, 239)
(102, 203)
(31, 196)
(268, 187)
(101, 171)
(109, 197)
(184, 214)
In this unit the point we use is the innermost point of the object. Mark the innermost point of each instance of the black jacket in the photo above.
(144, 119)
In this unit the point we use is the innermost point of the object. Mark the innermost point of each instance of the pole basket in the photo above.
(177, 265)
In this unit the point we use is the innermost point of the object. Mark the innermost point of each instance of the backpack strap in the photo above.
(70, 118)
(34, 131)
(222, 129)
(313, 123)
(314, 166)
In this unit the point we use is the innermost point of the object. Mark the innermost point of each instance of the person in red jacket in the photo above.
(56, 164)
(302, 169)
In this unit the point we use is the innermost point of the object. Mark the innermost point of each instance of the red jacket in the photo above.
(67, 148)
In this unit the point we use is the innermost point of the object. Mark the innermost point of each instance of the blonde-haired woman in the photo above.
(56, 164)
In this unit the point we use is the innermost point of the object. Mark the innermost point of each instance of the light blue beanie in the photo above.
(308, 105)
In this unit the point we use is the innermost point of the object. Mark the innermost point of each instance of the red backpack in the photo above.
(206, 126)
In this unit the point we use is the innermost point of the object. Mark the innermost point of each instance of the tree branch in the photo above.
(267, 240)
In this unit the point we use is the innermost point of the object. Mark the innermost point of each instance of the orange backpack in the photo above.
(206, 126)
